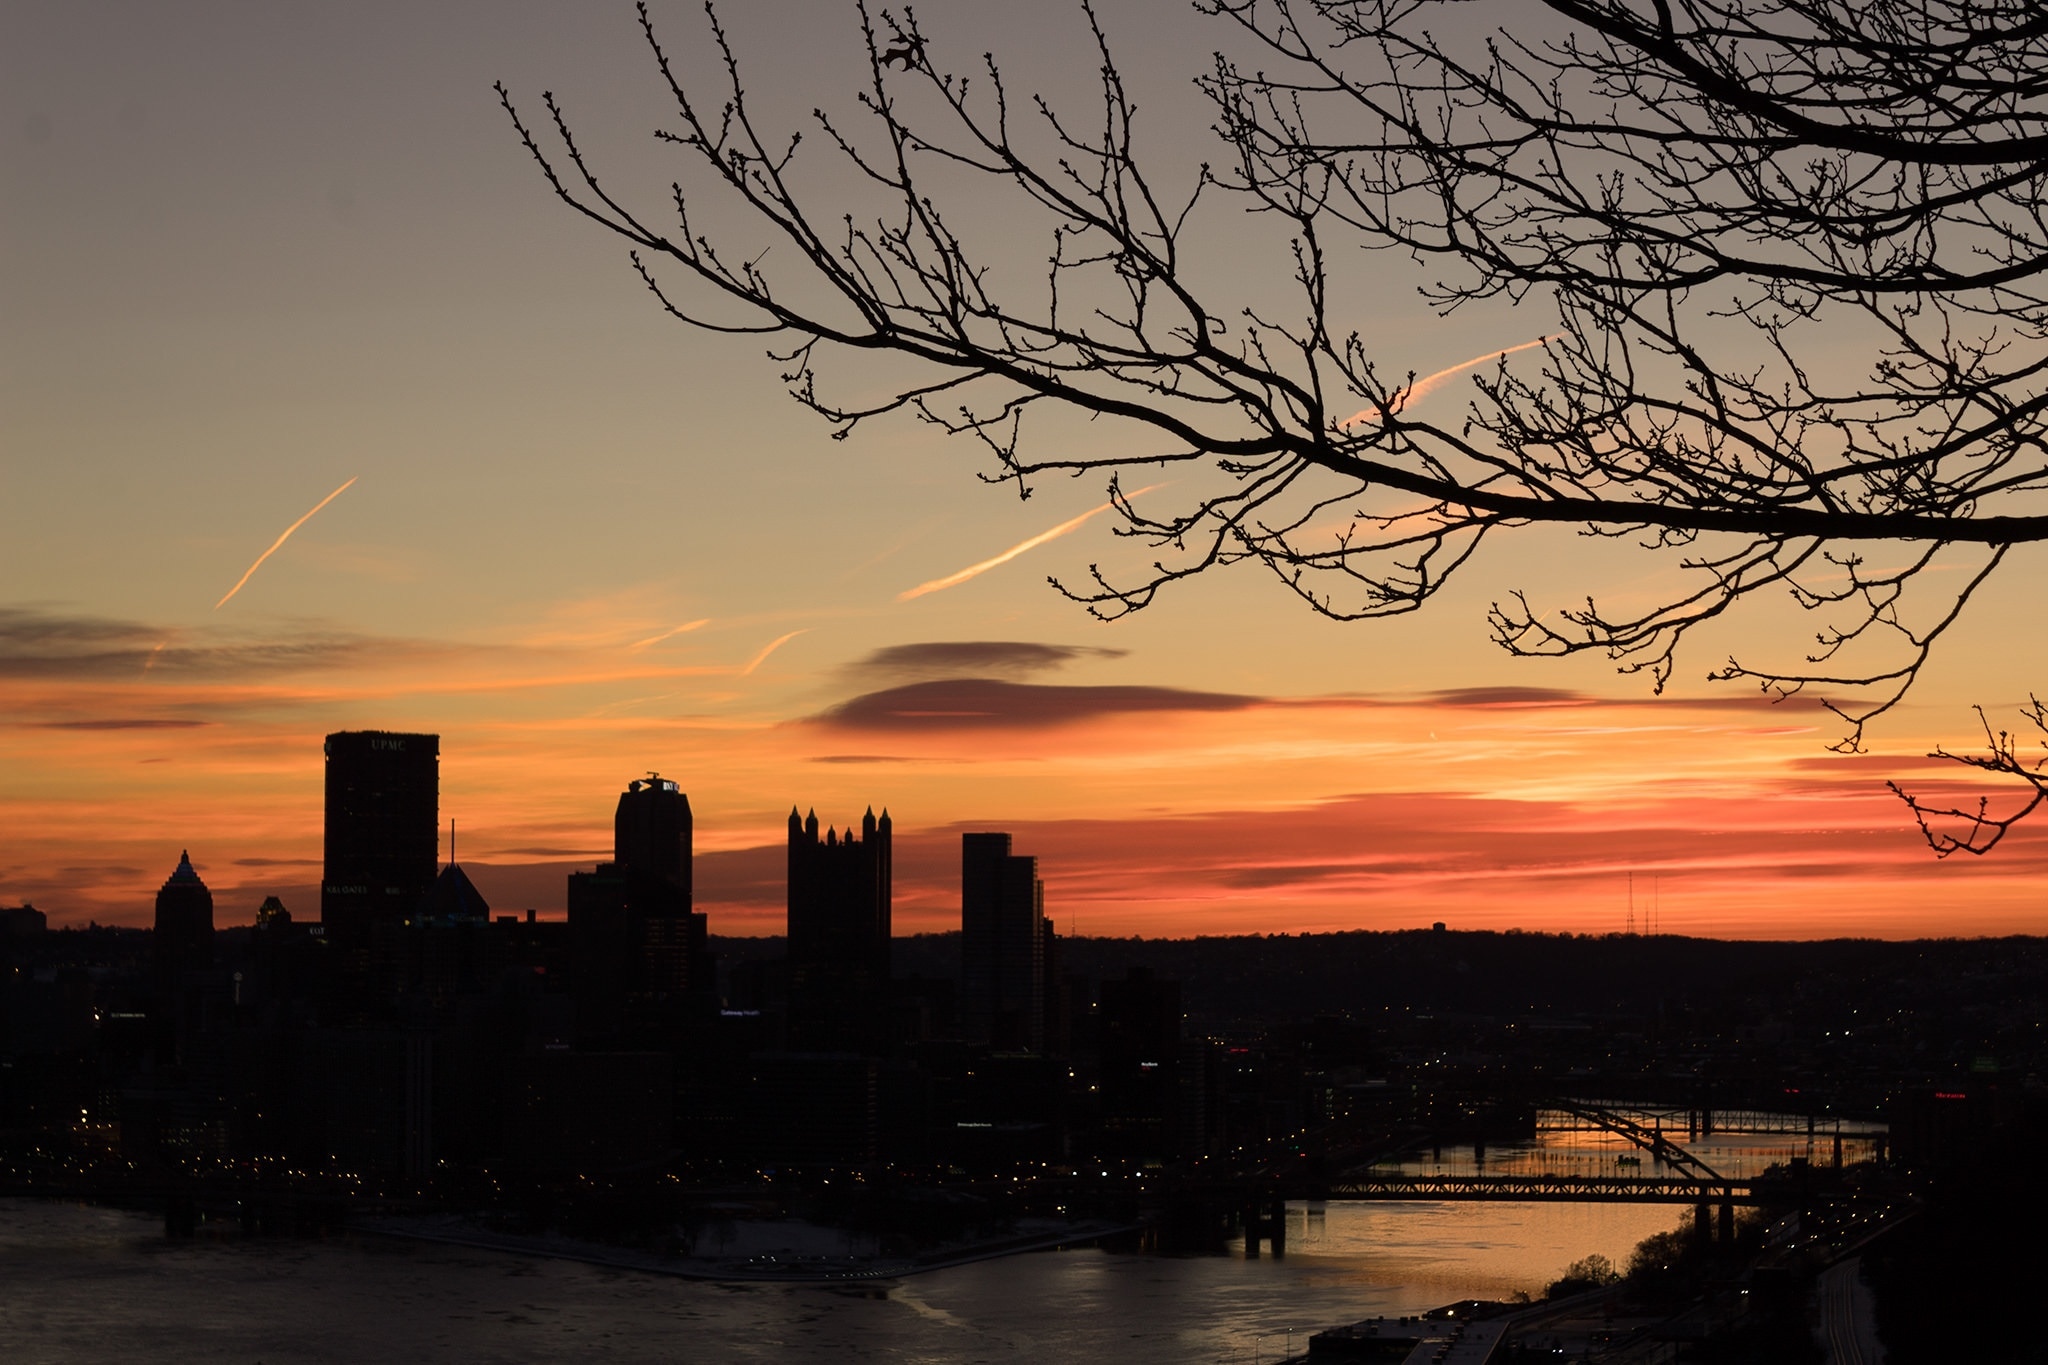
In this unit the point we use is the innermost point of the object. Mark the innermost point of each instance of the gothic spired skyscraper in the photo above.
(839, 924)
(1002, 946)
(383, 830)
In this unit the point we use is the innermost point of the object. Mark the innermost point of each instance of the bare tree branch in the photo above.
(1712, 203)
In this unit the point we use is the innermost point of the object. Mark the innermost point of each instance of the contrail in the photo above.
(670, 634)
(976, 570)
(771, 647)
(1422, 387)
(280, 541)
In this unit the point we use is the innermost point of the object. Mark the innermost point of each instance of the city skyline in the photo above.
(246, 267)
(1122, 680)
(1097, 869)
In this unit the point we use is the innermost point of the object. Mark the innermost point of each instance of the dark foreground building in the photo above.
(383, 830)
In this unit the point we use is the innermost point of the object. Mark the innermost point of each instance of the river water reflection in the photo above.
(92, 1284)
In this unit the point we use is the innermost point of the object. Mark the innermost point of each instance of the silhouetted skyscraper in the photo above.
(651, 837)
(454, 900)
(184, 922)
(839, 925)
(183, 940)
(383, 829)
(1002, 946)
(640, 954)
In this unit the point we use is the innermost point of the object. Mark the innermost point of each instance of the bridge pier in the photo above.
(1727, 1219)
(1265, 1221)
(1702, 1223)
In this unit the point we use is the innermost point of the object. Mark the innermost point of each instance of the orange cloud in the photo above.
(973, 659)
(988, 703)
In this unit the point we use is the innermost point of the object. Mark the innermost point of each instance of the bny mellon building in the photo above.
(641, 958)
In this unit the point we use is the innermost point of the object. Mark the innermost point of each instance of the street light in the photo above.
(1288, 1350)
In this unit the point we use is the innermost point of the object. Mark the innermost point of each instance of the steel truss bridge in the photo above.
(1580, 1116)
(1689, 1180)
(1682, 1177)
(1539, 1188)
(1262, 1195)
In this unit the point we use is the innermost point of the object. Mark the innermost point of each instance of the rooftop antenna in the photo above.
(1656, 901)
(1631, 903)
(451, 841)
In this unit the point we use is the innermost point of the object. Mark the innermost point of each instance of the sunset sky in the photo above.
(250, 252)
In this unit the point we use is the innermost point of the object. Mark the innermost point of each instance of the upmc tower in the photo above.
(383, 829)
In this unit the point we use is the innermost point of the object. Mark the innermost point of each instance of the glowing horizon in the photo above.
(1534, 805)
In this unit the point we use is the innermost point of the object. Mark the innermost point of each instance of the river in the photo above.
(81, 1283)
